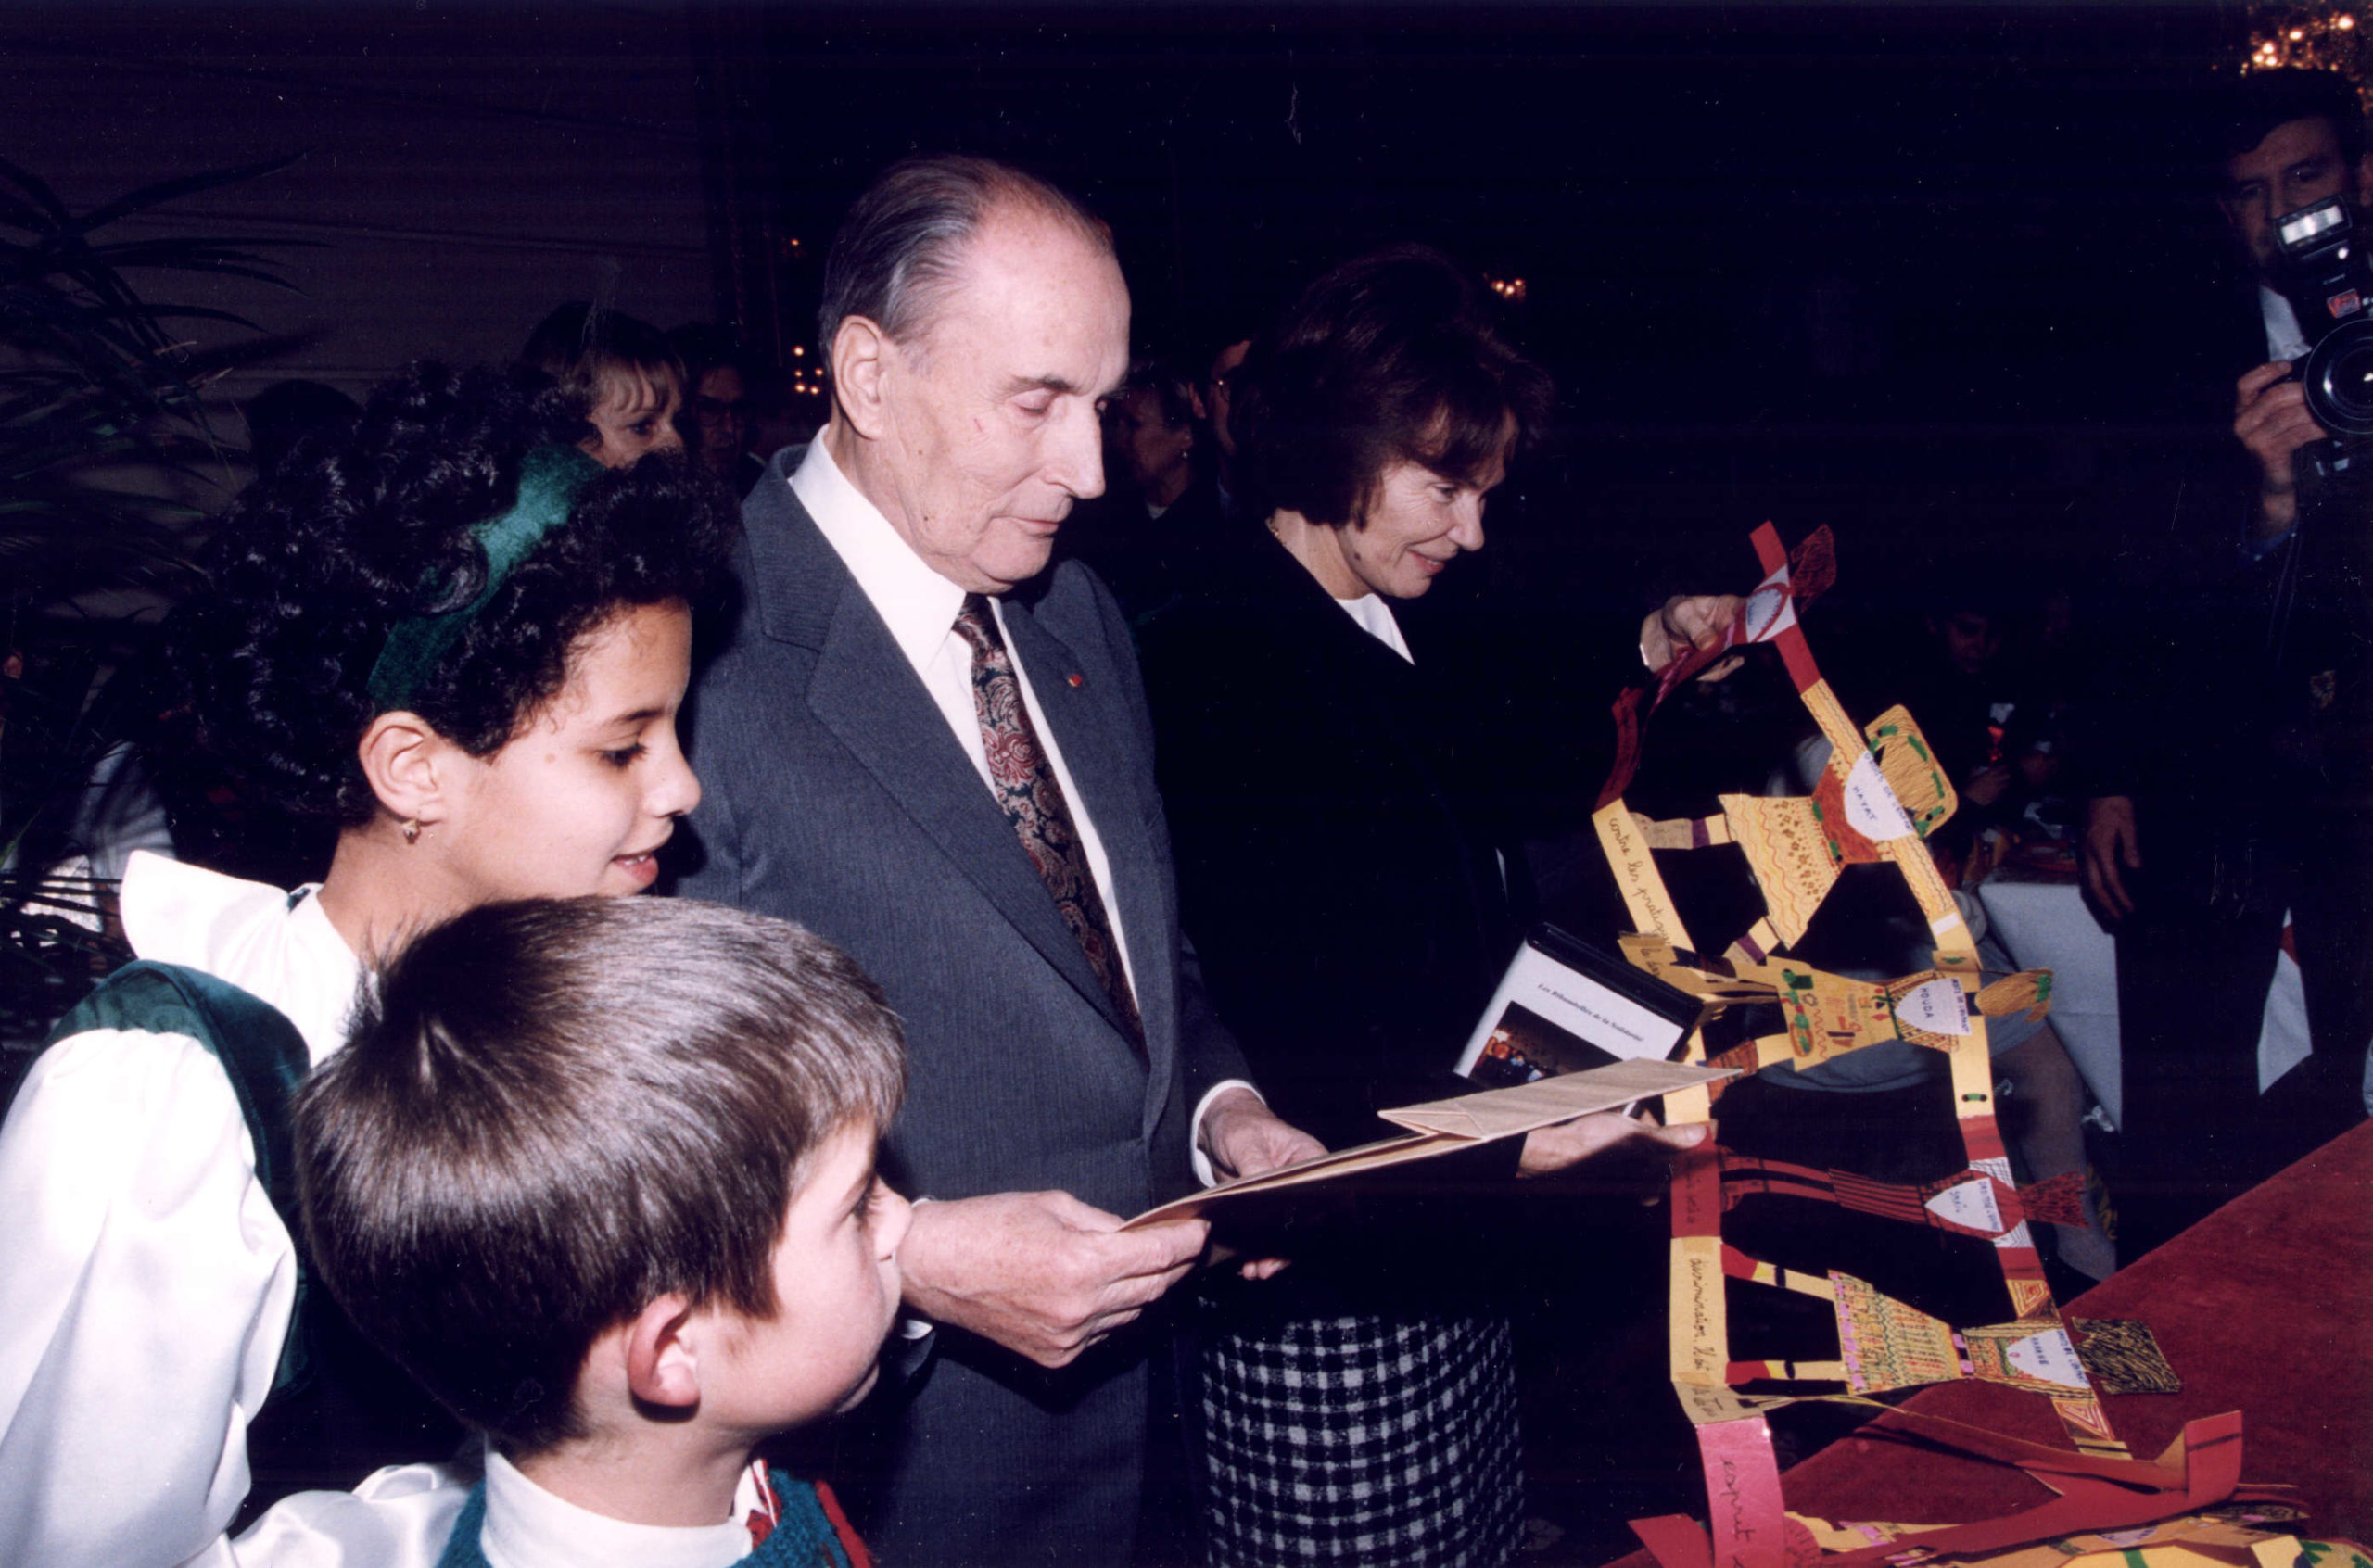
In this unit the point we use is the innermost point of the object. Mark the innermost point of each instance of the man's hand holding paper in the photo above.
(1041, 1274)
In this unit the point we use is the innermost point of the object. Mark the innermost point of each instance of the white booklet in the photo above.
(1565, 1006)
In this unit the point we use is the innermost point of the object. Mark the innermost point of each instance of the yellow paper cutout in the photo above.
(1830, 1015)
(1885, 1344)
(1910, 768)
(1684, 832)
(1701, 1314)
(1645, 896)
(2199, 1541)
(2028, 992)
(2031, 1298)
(1792, 861)
(1930, 1009)
(2037, 1357)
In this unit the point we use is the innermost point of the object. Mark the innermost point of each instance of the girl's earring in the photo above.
(412, 831)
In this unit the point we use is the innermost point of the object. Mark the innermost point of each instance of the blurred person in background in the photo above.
(1161, 508)
(1215, 403)
(715, 421)
(624, 371)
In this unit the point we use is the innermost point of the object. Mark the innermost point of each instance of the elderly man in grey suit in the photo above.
(924, 745)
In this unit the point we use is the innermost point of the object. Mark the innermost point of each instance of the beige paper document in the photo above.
(1440, 1127)
(1503, 1113)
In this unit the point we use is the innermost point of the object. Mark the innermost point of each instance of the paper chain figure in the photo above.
(1830, 1015)
(2252, 1534)
(2188, 1508)
(1880, 795)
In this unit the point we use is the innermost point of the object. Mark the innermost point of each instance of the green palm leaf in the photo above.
(97, 377)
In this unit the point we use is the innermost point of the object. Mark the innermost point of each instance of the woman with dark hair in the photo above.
(458, 641)
(1342, 879)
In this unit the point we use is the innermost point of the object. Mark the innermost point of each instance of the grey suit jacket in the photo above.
(835, 795)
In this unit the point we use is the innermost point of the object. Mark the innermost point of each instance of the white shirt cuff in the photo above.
(1197, 1159)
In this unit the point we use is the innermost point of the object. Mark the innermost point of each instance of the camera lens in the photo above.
(2339, 378)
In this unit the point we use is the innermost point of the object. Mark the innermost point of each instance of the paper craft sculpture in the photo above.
(2236, 1535)
(1881, 794)
(2186, 1495)
(1798, 844)
(1830, 1015)
(2124, 1357)
(1979, 1202)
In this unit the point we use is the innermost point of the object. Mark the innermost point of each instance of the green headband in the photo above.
(550, 479)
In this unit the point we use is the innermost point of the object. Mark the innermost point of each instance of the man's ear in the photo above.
(861, 361)
(409, 766)
(663, 1359)
(2364, 192)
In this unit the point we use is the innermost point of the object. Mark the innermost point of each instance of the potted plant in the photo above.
(101, 416)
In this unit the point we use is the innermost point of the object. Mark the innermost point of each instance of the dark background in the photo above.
(1927, 274)
(1921, 272)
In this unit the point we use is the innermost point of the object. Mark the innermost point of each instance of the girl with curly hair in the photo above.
(462, 642)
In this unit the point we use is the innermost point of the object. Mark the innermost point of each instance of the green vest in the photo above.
(336, 1403)
(261, 1054)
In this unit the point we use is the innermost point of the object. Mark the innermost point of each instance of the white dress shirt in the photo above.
(148, 1282)
(1375, 618)
(529, 1527)
(2283, 339)
(402, 1517)
(399, 1517)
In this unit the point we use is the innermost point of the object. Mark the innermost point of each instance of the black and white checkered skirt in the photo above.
(1386, 1441)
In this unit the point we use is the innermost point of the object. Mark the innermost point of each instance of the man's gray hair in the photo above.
(898, 252)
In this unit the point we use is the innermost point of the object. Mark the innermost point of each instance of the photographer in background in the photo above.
(2230, 777)
(2302, 160)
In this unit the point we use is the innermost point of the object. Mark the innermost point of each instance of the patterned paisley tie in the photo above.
(1026, 785)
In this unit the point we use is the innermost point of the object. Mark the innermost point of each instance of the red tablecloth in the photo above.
(2265, 1307)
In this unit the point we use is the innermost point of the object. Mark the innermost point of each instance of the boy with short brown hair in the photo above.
(599, 1173)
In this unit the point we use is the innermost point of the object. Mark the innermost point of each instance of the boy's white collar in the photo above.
(528, 1528)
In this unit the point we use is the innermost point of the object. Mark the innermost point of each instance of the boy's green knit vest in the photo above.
(806, 1536)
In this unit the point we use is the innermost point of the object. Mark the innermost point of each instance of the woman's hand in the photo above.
(1689, 621)
(1243, 1137)
(1551, 1149)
